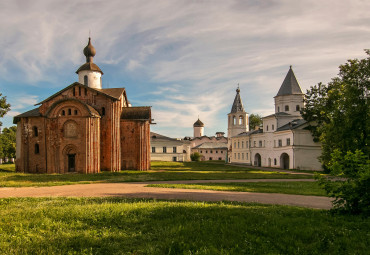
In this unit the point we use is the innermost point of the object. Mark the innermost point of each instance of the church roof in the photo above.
(238, 104)
(157, 136)
(290, 85)
(114, 93)
(136, 113)
(198, 123)
(89, 52)
(292, 125)
(89, 66)
(278, 114)
(32, 113)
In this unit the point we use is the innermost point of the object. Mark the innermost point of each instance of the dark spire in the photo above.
(198, 123)
(238, 104)
(290, 85)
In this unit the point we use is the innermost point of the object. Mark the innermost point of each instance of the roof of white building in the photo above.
(211, 146)
(157, 137)
(290, 85)
(292, 125)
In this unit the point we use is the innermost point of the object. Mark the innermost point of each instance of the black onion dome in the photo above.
(198, 123)
(89, 51)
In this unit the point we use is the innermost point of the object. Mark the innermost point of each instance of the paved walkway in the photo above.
(138, 190)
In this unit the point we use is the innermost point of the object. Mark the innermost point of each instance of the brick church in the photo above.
(84, 128)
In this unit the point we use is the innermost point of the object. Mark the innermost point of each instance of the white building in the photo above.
(164, 148)
(283, 141)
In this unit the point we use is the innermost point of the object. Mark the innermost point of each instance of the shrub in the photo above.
(195, 156)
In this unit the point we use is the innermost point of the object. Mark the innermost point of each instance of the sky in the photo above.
(183, 58)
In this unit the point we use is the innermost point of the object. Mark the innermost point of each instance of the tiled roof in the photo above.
(211, 146)
(156, 136)
(136, 113)
(292, 125)
(290, 85)
(32, 113)
(89, 66)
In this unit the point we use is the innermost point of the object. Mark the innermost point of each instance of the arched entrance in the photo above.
(257, 159)
(284, 161)
(69, 153)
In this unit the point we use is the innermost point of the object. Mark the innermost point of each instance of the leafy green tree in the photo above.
(339, 112)
(8, 142)
(255, 120)
(195, 156)
(4, 107)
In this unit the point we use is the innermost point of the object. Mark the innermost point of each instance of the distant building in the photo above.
(84, 128)
(164, 148)
(283, 141)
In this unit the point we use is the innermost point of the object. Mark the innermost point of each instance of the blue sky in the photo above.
(183, 58)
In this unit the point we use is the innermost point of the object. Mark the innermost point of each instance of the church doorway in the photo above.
(257, 159)
(71, 162)
(284, 161)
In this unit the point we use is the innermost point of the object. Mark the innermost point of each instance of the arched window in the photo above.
(37, 148)
(69, 112)
(287, 108)
(63, 112)
(234, 120)
(35, 131)
(103, 111)
(267, 127)
(275, 161)
(240, 120)
(272, 126)
(79, 91)
(297, 108)
(76, 112)
(278, 108)
(86, 81)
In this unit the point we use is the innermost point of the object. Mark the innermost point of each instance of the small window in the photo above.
(216, 151)
(63, 112)
(153, 149)
(267, 128)
(201, 151)
(254, 143)
(210, 158)
(234, 120)
(35, 131)
(278, 109)
(86, 81)
(240, 120)
(74, 91)
(238, 155)
(174, 149)
(288, 141)
(174, 158)
(242, 144)
(211, 151)
(206, 151)
(235, 155)
(243, 156)
(238, 144)
(297, 108)
(234, 144)
(164, 149)
(247, 144)
(260, 143)
(79, 91)
(69, 112)
(272, 127)
(219, 158)
(37, 148)
(287, 108)
(222, 152)
(85, 91)
(275, 161)
(247, 156)
(76, 112)
(280, 143)
(103, 111)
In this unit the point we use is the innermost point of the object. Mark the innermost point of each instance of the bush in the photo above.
(195, 156)
(351, 190)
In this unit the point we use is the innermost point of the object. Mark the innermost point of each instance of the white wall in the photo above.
(94, 78)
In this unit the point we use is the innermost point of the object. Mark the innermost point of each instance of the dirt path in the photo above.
(138, 190)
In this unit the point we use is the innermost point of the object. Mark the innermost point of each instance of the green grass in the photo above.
(297, 188)
(160, 171)
(123, 226)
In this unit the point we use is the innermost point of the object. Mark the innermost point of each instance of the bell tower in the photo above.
(238, 121)
(89, 74)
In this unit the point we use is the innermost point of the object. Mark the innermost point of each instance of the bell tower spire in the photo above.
(237, 118)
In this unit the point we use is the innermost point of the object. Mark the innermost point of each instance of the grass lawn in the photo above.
(124, 226)
(160, 171)
(297, 188)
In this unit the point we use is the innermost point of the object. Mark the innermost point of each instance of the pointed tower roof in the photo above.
(290, 85)
(238, 104)
(89, 52)
(198, 123)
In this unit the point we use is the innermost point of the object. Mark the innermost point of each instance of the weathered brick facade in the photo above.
(83, 129)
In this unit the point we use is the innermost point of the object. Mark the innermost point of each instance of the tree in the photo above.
(339, 112)
(8, 142)
(195, 156)
(4, 107)
(255, 120)
(339, 117)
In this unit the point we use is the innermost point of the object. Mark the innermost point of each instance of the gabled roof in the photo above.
(136, 113)
(238, 104)
(198, 123)
(156, 136)
(292, 125)
(290, 85)
(113, 93)
(211, 146)
(249, 133)
(32, 113)
(278, 114)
